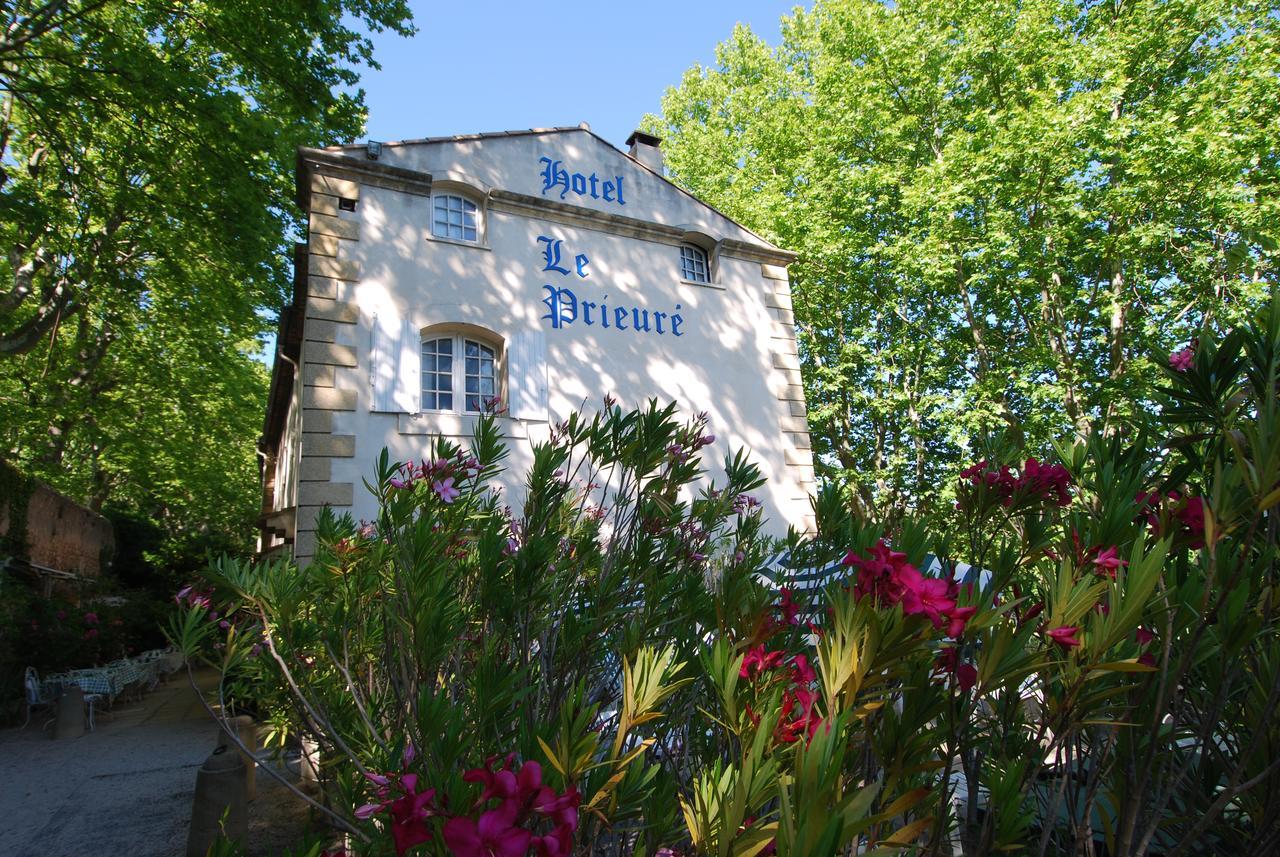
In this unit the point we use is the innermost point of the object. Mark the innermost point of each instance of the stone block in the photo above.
(315, 420)
(322, 287)
(774, 272)
(783, 361)
(322, 245)
(339, 269)
(328, 352)
(798, 457)
(333, 310)
(315, 470)
(324, 224)
(317, 376)
(778, 301)
(304, 546)
(323, 203)
(785, 316)
(798, 408)
(785, 346)
(331, 445)
(778, 330)
(796, 424)
(791, 377)
(792, 393)
(319, 330)
(325, 493)
(329, 399)
(798, 440)
(334, 186)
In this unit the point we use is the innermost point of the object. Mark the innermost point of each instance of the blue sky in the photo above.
(477, 66)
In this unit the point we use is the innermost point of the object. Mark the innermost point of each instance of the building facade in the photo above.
(545, 268)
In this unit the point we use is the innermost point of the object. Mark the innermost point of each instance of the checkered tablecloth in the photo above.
(100, 681)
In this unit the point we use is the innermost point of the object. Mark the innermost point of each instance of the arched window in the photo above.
(460, 372)
(693, 264)
(455, 217)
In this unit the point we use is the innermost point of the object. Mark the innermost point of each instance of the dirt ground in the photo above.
(126, 788)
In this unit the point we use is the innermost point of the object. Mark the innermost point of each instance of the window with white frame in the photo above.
(455, 217)
(693, 264)
(459, 373)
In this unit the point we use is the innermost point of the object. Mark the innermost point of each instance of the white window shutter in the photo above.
(408, 389)
(395, 359)
(384, 348)
(527, 375)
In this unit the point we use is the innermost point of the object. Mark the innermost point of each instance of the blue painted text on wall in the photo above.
(564, 309)
(555, 176)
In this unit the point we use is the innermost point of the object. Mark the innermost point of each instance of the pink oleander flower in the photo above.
(1108, 561)
(757, 660)
(1144, 636)
(91, 618)
(495, 834)
(444, 489)
(948, 661)
(1180, 361)
(1065, 636)
(927, 596)
(788, 607)
(797, 701)
(801, 672)
(409, 812)
(957, 619)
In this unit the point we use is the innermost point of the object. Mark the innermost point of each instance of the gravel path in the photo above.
(126, 788)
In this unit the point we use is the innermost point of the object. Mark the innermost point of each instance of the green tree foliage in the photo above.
(146, 160)
(1006, 213)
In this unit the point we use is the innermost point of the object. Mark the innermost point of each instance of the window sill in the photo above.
(456, 425)
(716, 286)
(474, 245)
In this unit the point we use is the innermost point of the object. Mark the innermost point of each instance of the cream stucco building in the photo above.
(545, 267)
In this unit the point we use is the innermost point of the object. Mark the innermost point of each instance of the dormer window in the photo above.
(455, 217)
(693, 264)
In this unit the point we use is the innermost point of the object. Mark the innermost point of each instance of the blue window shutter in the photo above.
(527, 375)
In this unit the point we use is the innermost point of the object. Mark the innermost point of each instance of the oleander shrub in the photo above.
(1080, 657)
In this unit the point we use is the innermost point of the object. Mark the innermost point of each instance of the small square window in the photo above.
(693, 264)
(455, 217)
(345, 204)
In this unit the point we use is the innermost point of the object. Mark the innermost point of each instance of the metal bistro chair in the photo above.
(38, 694)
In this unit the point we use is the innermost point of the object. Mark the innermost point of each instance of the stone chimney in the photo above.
(644, 148)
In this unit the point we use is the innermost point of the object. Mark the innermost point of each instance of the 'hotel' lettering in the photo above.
(554, 175)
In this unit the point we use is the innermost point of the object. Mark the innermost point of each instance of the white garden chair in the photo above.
(38, 694)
